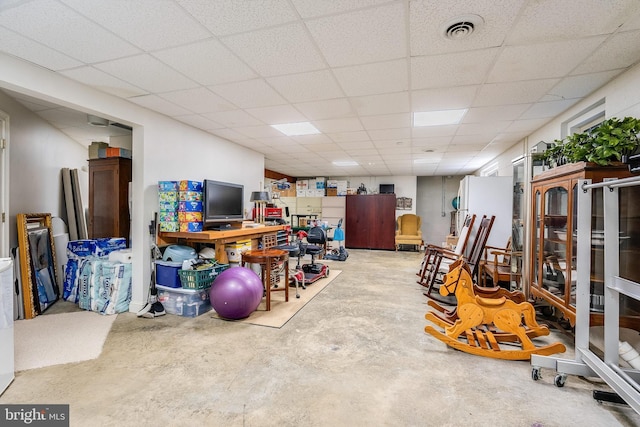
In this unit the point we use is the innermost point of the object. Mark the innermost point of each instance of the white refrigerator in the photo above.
(6, 324)
(488, 195)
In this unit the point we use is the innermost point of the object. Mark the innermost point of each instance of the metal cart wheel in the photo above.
(560, 379)
(535, 373)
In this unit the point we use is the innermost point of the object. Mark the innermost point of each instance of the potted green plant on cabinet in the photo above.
(613, 140)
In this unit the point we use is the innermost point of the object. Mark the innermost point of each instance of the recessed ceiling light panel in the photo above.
(295, 129)
(438, 118)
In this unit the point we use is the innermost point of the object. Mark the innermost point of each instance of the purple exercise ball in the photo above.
(236, 293)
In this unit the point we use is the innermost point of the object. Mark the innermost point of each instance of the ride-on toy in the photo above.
(316, 239)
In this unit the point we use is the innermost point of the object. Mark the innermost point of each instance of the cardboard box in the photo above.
(168, 196)
(186, 185)
(331, 192)
(190, 196)
(169, 226)
(190, 206)
(167, 185)
(191, 227)
(302, 184)
(189, 217)
(451, 241)
(95, 147)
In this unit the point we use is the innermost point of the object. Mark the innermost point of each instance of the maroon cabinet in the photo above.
(370, 221)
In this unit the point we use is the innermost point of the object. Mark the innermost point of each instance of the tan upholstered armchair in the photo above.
(408, 231)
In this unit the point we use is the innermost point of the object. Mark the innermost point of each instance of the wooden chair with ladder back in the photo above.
(427, 268)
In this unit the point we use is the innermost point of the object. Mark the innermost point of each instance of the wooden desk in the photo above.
(219, 238)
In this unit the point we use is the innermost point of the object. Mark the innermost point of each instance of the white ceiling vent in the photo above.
(462, 27)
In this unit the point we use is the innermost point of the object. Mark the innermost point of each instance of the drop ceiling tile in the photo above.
(232, 16)
(327, 151)
(277, 114)
(17, 45)
(455, 69)
(228, 134)
(529, 126)
(544, 60)
(471, 141)
(452, 98)
(277, 51)
(314, 8)
(198, 100)
(548, 109)
(632, 23)
(155, 103)
(198, 121)
(499, 112)
(249, 94)
(357, 136)
(233, 119)
(513, 92)
(497, 19)
(147, 73)
(355, 146)
(261, 131)
(387, 121)
(207, 62)
(338, 125)
(373, 79)
(437, 143)
(365, 153)
(579, 86)
(387, 103)
(433, 131)
(548, 20)
(312, 139)
(370, 35)
(304, 87)
(488, 127)
(327, 109)
(102, 81)
(58, 27)
(147, 24)
(383, 134)
(621, 50)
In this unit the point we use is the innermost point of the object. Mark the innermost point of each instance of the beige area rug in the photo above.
(281, 311)
(55, 339)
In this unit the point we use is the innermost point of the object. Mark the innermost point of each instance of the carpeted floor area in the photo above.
(56, 339)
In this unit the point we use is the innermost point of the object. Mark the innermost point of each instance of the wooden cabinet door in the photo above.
(109, 197)
(357, 221)
(383, 217)
(370, 221)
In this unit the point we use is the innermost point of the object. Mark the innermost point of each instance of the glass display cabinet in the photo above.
(553, 240)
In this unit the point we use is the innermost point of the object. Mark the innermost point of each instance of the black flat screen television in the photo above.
(387, 189)
(223, 203)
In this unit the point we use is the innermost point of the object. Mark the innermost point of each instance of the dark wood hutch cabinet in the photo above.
(553, 240)
(370, 221)
(109, 197)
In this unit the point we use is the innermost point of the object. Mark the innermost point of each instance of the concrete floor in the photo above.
(356, 355)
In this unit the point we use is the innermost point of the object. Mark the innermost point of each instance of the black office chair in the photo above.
(316, 241)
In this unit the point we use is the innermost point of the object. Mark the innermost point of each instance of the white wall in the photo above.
(38, 152)
(163, 149)
(434, 197)
(404, 186)
(622, 98)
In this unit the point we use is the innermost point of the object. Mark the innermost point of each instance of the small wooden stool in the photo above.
(266, 258)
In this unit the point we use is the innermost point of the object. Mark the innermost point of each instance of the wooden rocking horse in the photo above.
(450, 315)
(485, 323)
